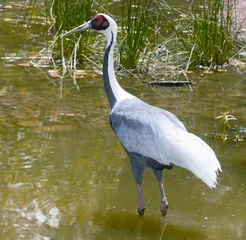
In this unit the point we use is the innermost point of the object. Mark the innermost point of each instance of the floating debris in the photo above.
(171, 83)
(68, 114)
(54, 73)
(84, 73)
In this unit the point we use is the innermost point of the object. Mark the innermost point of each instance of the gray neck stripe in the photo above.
(108, 88)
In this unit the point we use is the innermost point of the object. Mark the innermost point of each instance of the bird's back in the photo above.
(145, 129)
(138, 113)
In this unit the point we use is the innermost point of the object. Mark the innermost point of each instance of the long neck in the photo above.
(113, 89)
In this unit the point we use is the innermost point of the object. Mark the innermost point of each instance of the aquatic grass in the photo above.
(154, 38)
(224, 119)
(67, 15)
(137, 36)
(65, 53)
(166, 63)
(209, 27)
(167, 60)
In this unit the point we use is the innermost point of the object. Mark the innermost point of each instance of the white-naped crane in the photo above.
(151, 136)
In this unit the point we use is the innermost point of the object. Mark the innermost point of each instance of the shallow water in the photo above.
(64, 175)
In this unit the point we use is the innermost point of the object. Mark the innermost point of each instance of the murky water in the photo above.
(64, 175)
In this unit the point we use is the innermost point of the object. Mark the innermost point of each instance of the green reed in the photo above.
(66, 15)
(154, 37)
(137, 37)
(208, 28)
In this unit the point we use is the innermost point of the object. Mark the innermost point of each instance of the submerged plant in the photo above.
(225, 126)
(238, 138)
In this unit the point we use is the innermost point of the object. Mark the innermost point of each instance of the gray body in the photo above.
(135, 121)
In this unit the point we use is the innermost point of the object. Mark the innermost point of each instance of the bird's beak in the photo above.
(82, 27)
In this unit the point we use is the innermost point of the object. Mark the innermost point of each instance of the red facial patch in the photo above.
(99, 19)
(99, 22)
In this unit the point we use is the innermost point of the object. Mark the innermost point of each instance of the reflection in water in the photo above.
(64, 175)
(127, 225)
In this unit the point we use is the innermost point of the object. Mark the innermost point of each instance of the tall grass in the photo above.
(209, 27)
(67, 15)
(137, 34)
(153, 36)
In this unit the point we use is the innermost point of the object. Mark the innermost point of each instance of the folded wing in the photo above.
(158, 134)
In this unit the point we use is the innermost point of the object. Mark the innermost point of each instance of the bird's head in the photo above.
(100, 23)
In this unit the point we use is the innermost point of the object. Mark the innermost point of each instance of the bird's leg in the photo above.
(164, 203)
(141, 207)
(138, 169)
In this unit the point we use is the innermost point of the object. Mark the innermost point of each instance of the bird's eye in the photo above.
(99, 22)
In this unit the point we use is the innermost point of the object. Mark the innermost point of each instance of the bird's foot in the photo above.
(141, 211)
(164, 207)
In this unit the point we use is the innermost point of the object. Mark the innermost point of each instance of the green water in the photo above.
(64, 175)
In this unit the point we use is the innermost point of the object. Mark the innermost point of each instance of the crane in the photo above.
(152, 137)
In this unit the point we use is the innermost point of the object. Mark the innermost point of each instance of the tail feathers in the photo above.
(199, 158)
